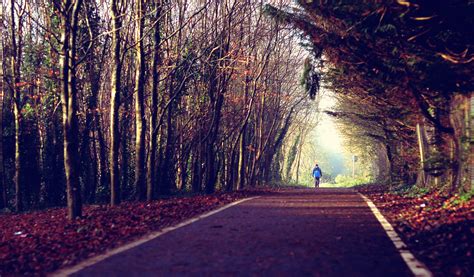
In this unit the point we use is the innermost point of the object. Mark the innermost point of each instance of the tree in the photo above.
(115, 88)
(388, 54)
(219, 79)
(16, 58)
(139, 102)
(155, 67)
(3, 189)
(69, 24)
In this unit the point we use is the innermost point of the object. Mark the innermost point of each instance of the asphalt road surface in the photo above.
(304, 232)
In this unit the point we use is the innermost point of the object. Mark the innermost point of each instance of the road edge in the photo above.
(96, 259)
(417, 268)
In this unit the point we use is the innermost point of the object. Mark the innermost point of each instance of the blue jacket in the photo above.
(317, 173)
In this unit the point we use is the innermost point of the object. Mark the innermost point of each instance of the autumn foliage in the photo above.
(437, 228)
(44, 241)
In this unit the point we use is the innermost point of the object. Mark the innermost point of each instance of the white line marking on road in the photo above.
(146, 238)
(417, 268)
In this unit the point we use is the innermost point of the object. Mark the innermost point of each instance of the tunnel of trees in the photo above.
(401, 73)
(104, 101)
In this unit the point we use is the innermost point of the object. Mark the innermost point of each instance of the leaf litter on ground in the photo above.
(41, 242)
(437, 228)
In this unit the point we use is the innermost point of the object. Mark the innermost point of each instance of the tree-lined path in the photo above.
(119, 118)
(328, 232)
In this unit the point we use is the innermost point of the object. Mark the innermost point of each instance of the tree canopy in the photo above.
(393, 65)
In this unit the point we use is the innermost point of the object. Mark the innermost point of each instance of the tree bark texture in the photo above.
(115, 89)
(69, 26)
(139, 104)
(3, 189)
(156, 63)
(15, 84)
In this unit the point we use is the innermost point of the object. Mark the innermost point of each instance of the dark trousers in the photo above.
(316, 182)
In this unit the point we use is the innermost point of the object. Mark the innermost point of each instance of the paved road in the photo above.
(328, 232)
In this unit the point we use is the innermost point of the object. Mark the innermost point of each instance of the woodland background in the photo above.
(122, 100)
(104, 101)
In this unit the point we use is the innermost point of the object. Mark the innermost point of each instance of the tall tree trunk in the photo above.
(139, 104)
(460, 114)
(115, 89)
(242, 160)
(15, 71)
(3, 189)
(151, 169)
(69, 106)
(242, 167)
(217, 88)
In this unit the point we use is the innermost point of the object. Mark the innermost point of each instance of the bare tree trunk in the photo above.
(3, 189)
(151, 169)
(15, 71)
(69, 106)
(72, 144)
(243, 137)
(217, 88)
(460, 154)
(422, 178)
(139, 104)
(114, 105)
(242, 161)
(298, 159)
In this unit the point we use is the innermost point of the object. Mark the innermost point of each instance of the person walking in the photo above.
(317, 174)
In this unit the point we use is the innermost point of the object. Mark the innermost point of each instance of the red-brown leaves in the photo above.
(41, 242)
(438, 229)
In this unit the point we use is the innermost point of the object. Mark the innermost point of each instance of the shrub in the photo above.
(349, 181)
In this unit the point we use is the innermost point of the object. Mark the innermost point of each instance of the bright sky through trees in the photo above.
(328, 136)
(323, 144)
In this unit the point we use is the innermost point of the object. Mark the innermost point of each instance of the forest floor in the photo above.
(43, 241)
(438, 229)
